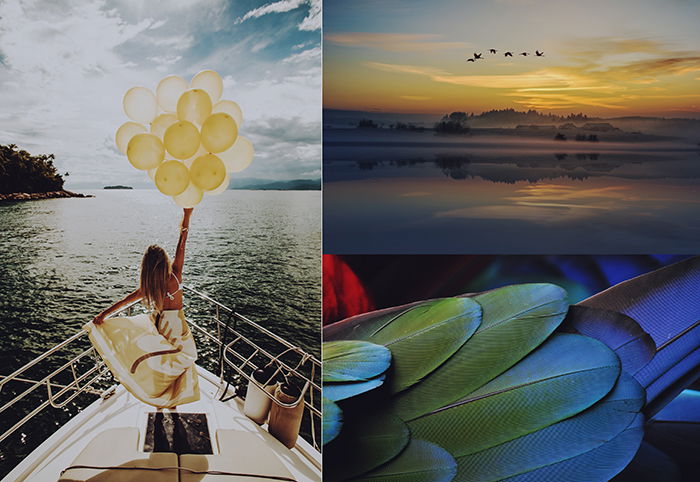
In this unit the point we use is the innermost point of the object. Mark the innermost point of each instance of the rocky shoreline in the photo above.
(25, 196)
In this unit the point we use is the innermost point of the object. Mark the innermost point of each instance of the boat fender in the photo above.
(257, 403)
(286, 413)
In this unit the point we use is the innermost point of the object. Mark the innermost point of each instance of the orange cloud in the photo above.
(393, 42)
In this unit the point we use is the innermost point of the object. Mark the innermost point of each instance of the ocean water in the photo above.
(408, 192)
(64, 260)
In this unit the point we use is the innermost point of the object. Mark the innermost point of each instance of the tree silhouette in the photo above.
(22, 172)
(454, 123)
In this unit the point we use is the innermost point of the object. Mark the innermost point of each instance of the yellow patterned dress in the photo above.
(153, 356)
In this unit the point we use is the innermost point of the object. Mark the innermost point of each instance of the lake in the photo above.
(64, 260)
(414, 192)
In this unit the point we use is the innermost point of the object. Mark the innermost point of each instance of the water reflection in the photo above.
(437, 197)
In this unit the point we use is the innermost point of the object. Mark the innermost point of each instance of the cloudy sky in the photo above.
(601, 57)
(66, 64)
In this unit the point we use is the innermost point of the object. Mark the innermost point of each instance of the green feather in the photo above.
(566, 375)
(422, 338)
(366, 442)
(361, 327)
(515, 320)
(332, 420)
(420, 461)
(350, 361)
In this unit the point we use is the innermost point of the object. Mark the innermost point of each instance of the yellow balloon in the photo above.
(172, 178)
(181, 140)
(207, 172)
(194, 106)
(145, 151)
(209, 81)
(222, 187)
(239, 155)
(200, 152)
(190, 197)
(219, 132)
(161, 123)
(140, 105)
(231, 108)
(169, 90)
(124, 134)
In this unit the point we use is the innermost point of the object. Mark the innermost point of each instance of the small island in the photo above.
(25, 177)
(118, 186)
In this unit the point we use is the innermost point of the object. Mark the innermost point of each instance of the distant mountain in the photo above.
(119, 186)
(271, 185)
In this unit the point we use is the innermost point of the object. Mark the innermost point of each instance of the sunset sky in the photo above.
(602, 57)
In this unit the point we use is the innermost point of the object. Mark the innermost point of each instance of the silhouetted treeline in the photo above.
(366, 124)
(512, 115)
(454, 123)
(22, 172)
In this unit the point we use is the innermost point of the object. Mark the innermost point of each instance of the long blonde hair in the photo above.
(155, 272)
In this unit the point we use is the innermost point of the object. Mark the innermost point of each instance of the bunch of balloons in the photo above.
(191, 143)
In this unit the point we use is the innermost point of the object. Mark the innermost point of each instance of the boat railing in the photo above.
(240, 347)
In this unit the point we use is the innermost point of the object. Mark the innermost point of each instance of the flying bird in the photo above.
(538, 53)
(493, 51)
(513, 382)
(524, 54)
(470, 60)
(477, 56)
(508, 54)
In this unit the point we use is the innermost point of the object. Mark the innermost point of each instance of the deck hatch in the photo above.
(181, 433)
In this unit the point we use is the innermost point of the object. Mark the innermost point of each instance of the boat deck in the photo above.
(77, 440)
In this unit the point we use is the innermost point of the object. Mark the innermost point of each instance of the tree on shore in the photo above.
(22, 172)
(454, 123)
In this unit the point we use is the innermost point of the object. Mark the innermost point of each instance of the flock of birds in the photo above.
(506, 54)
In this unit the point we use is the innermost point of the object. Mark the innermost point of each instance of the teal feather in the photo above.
(342, 391)
(420, 461)
(599, 464)
(352, 361)
(560, 441)
(367, 441)
(332, 420)
(551, 384)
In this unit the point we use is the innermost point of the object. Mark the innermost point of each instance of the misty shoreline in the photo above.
(35, 196)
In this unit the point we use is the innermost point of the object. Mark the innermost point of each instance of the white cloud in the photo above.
(67, 64)
(311, 22)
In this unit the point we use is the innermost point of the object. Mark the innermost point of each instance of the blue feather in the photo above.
(671, 383)
(649, 465)
(601, 463)
(668, 356)
(341, 391)
(664, 302)
(684, 408)
(619, 332)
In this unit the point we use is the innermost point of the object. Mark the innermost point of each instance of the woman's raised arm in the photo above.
(179, 260)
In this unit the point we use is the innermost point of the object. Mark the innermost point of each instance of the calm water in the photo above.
(388, 192)
(64, 260)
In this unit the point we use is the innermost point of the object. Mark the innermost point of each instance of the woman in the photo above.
(152, 355)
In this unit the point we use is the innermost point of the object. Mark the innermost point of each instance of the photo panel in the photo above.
(510, 127)
(520, 367)
(160, 240)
